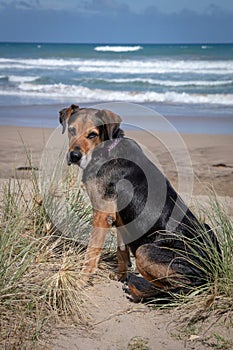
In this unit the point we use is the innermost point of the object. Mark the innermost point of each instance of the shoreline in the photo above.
(185, 119)
(211, 155)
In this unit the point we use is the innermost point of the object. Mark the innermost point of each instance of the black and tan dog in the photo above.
(171, 248)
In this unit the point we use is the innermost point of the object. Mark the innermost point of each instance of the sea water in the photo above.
(179, 81)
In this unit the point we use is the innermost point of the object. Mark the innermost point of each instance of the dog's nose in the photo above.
(75, 156)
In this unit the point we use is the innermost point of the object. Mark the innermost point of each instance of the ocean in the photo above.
(191, 85)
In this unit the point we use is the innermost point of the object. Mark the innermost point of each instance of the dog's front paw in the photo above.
(84, 281)
(86, 278)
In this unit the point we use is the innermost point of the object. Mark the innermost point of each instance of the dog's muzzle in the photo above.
(74, 157)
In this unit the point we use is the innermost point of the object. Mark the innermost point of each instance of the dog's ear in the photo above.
(64, 115)
(112, 123)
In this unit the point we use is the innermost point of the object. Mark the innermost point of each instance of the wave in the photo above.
(84, 94)
(108, 48)
(160, 67)
(123, 66)
(165, 82)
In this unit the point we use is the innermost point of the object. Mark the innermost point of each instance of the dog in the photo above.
(171, 247)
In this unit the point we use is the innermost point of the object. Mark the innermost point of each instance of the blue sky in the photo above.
(117, 21)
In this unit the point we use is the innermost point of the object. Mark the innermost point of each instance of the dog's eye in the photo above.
(92, 135)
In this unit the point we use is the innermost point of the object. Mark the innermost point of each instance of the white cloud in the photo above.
(116, 6)
(20, 4)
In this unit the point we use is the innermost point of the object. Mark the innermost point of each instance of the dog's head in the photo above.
(88, 128)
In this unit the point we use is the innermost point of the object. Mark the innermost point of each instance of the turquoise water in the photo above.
(176, 80)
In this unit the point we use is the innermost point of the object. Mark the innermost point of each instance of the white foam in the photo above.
(21, 79)
(158, 67)
(204, 47)
(61, 91)
(123, 66)
(108, 48)
(169, 82)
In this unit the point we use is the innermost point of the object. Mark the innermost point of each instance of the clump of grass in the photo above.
(39, 268)
(44, 229)
(213, 300)
(219, 265)
(63, 287)
(222, 224)
(17, 249)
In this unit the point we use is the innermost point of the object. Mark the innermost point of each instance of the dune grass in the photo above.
(39, 268)
(222, 224)
(208, 309)
(218, 267)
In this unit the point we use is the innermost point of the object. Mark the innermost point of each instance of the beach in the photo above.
(211, 156)
(210, 160)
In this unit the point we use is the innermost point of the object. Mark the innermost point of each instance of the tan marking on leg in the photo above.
(123, 261)
(98, 234)
(161, 275)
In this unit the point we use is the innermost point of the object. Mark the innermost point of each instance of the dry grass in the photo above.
(208, 309)
(39, 268)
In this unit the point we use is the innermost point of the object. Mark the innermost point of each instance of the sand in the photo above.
(117, 324)
(116, 321)
(211, 155)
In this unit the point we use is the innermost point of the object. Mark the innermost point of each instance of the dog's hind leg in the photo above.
(155, 264)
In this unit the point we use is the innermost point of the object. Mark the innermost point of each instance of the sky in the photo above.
(117, 21)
